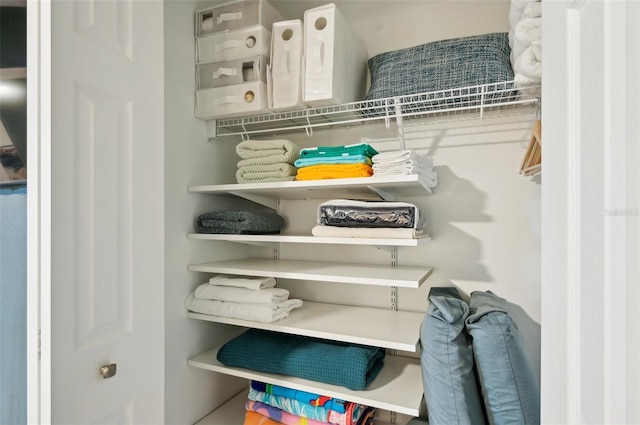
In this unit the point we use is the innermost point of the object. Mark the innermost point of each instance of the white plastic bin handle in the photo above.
(225, 71)
(227, 99)
(225, 17)
(317, 57)
(231, 44)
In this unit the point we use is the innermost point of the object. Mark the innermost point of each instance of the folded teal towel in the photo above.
(355, 149)
(332, 362)
(319, 160)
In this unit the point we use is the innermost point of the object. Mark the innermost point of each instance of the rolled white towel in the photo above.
(529, 63)
(207, 291)
(516, 10)
(249, 282)
(527, 30)
(532, 10)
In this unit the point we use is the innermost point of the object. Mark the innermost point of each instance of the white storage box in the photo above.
(243, 43)
(285, 69)
(232, 101)
(228, 73)
(335, 64)
(235, 15)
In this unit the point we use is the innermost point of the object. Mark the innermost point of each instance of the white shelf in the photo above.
(398, 386)
(364, 274)
(389, 188)
(471, 102)
(395, 330)
(271, 240)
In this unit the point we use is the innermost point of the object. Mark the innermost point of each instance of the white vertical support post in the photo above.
(399, 123)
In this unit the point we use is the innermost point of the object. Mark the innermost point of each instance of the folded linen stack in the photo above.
(405, 162)
(293, 407)
(344, 218)
(239, 222)
(266, 161)
(349, 365)
(248, 298)
(525, 40)
(335, 162)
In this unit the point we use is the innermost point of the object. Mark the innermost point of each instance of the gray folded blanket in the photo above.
(239, 222)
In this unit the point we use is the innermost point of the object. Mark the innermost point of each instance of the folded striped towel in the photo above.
(280, 171)
(279, 150)
(207, 291)
(347, 159)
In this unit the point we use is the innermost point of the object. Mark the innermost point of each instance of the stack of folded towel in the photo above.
(239, 222)
(238, 297)
(266, 161)
(405, 162)
(525, 40)
(293, 407)
(335, 162)
(343, 218)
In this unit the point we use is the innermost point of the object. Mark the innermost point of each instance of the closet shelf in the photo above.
(470, 102)
(398, 386)
(233, 411)
(362, 274)
(394, 330)
(388, 188)
(271, 240)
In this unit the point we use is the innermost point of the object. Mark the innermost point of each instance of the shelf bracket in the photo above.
(262, 200)
(399, 123)
(308, 128)
(212, 130)
(387, 196)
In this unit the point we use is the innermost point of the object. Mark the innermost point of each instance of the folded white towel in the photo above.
(206, 291)
(366, 232)
(401, 156)
(428, 175)
(254, 283)
(527, 32)
(517, 9)
(265, 313)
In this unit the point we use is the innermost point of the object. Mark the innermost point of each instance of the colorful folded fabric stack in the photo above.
(248, 298)
(335, 162)
(266, 161)
(287, 406)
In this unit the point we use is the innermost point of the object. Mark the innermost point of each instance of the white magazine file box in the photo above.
(234, 15)
(335, 63)
(284, 74)
(242, 43)
(232, 101)
(232, 72)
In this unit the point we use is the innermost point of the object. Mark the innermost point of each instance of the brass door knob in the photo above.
(107, 371)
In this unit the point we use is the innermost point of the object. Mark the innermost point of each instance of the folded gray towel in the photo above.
(239, 222)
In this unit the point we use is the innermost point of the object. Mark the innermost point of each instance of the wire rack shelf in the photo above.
(467, 102)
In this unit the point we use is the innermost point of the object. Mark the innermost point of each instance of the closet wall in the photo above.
(483, 217)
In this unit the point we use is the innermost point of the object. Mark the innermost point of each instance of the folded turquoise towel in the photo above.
(319, 160)
(355, 149)
(332, 362)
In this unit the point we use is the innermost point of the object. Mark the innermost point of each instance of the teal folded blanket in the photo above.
(337, 363)
(241, 222)
(340, 159)
(355, 149)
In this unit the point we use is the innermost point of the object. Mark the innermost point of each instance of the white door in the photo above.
(591, 212)
(99, 192)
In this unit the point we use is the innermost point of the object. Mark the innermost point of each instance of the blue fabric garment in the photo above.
(510, 387)
(353, 149)
(332, 362)
(451, 390)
